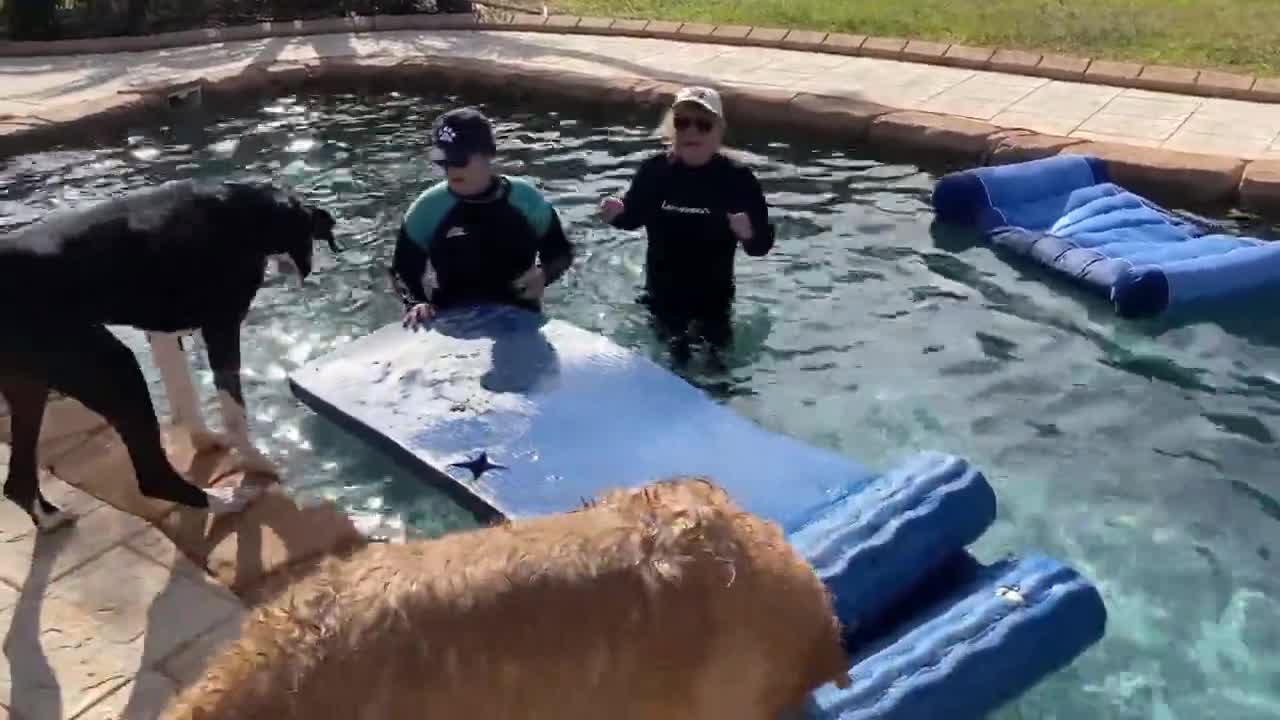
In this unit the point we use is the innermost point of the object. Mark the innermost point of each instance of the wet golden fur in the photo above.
(667, 602)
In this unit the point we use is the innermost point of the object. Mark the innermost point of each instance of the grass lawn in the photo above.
(1239, 35)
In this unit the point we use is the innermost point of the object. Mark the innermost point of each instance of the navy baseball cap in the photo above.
(459, 134)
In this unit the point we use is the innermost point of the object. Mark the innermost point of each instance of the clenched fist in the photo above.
(611, 208)
(740, 224)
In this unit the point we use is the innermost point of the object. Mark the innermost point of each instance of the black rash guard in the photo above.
(475, 248)
(684, 210)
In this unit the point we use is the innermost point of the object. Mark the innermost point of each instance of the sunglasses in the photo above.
(447, 164)
(704, 125)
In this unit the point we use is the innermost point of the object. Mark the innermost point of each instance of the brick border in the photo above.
(1165, 175)
(1186, 81)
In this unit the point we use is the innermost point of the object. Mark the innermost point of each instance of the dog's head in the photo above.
(298, 228)
(321, 228)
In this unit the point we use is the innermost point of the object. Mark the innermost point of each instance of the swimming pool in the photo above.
(1143, 455)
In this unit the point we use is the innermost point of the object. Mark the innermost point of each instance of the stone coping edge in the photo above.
(1187, 81)
(1168, 176)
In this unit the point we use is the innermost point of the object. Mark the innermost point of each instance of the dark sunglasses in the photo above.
(704, 125)
(446, 164)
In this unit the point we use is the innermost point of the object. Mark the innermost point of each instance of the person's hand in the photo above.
(610, 208)
(418, 315)
(531, 284)
(740, 224)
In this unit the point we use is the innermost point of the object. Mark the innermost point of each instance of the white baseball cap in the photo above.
(703, 97)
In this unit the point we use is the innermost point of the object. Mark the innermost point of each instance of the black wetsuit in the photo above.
(689, 262)
(477, 247)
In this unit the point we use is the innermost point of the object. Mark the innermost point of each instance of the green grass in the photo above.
(1238, 35)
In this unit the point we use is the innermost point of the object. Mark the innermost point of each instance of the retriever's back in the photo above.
(667, 602)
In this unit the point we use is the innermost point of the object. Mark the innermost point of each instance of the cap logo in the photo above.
(446, 135)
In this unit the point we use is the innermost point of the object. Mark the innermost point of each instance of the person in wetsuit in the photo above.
(697, 206)
(477, 236)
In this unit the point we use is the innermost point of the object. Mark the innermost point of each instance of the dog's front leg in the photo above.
(184, 402)
(222, 342)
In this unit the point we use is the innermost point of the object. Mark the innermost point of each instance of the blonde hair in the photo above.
(666, 128)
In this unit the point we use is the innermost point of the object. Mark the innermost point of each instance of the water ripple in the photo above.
(1144, 454)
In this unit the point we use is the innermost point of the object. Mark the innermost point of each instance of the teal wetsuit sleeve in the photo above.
(555, 252)
(413, 242)
(532, 205)
(423, 218)
(408, 270)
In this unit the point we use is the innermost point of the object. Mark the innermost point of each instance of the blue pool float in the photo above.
(516, 415)
(1065, 214)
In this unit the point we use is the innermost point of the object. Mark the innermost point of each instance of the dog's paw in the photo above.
(251, 461)
(204, 440)
(46, 516)
(51, 519)
(225, 500)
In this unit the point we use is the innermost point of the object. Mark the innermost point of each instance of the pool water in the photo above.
(1143, 454)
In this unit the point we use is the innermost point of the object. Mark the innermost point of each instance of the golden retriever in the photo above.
(666, 602)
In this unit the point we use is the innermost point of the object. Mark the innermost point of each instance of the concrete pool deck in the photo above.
(104, 621)
(109, 619)
(1204, 149)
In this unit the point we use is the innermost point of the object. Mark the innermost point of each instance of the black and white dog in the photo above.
(174, 258)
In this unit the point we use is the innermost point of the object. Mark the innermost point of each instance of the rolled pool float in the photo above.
(964, 656)
(884, 536)
(1066, 214)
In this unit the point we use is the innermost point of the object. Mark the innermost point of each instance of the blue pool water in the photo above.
(1143, 454)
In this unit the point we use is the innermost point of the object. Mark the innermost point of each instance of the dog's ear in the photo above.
(298, 236)
(322, 224)
(298, 226)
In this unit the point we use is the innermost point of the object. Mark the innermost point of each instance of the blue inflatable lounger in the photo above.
(517, 415)
(1064, 213)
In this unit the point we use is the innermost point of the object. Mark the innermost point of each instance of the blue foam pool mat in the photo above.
(517, 415)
